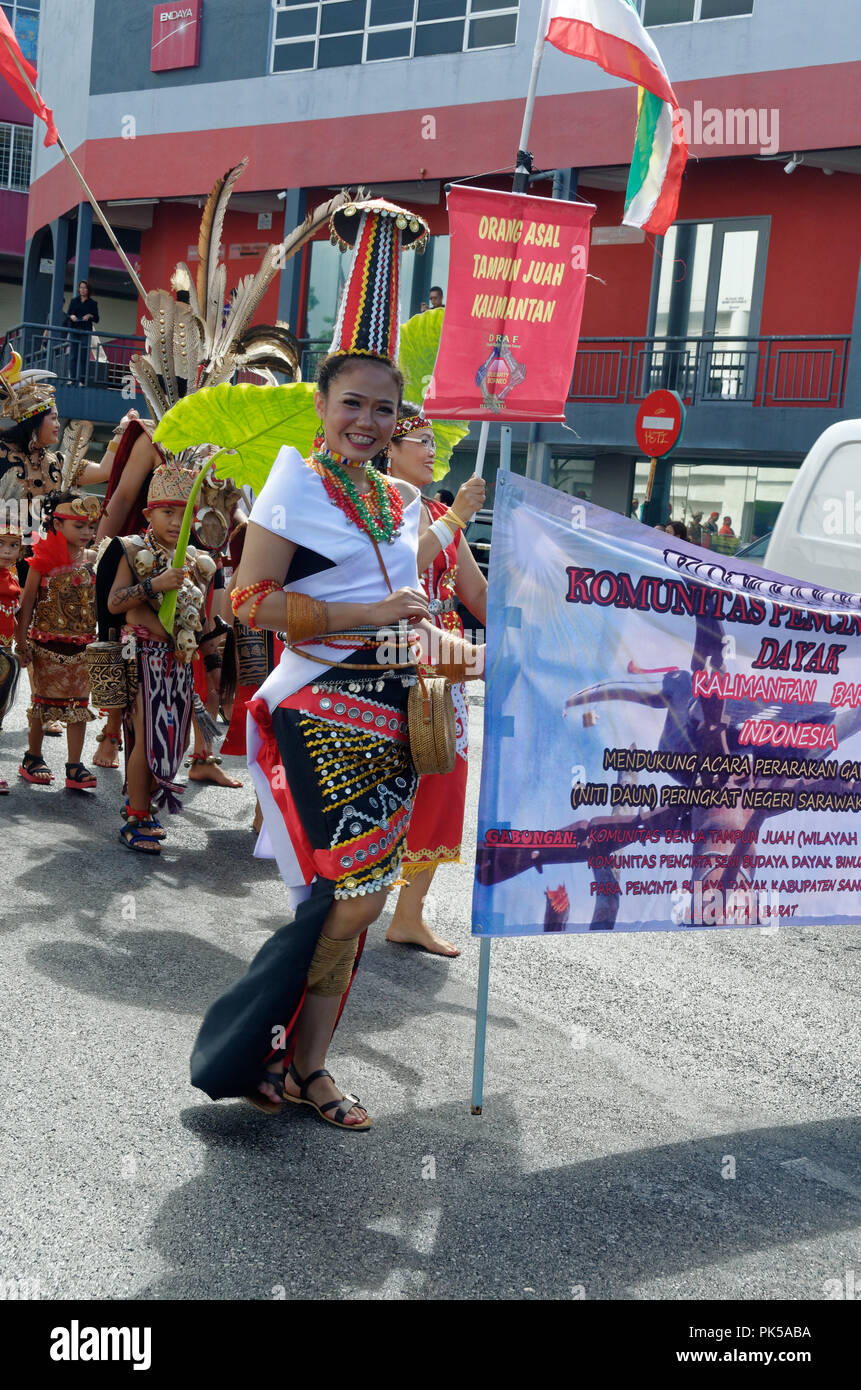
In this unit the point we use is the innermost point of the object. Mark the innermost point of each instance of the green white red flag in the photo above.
(609, 33)
(12, 66)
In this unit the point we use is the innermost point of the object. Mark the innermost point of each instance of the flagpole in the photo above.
(524, 158)
(90, 196)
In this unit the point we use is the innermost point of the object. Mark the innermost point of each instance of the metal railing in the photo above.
(800, 370)
(99, 360)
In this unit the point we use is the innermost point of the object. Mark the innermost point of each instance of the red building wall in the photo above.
(813, 249)
(175, 228)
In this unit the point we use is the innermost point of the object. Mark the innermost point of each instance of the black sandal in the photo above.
(340, 1107)
(79, 777)
(35, 769)
(264, 1102)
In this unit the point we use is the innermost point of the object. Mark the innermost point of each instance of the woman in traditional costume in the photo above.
(329, 751)
(29, 432)
(448, 572)
(10, 598)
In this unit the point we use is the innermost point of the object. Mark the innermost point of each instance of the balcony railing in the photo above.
(99, 360)
(777, 371)
(95, 360)
(802, 370)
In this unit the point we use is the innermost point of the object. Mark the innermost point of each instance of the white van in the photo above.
(817, 535)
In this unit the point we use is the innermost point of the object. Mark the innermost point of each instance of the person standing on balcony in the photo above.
(82, 316)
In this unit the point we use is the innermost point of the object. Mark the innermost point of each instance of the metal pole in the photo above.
(505, 446)
(482, 448)
(82, 181)
(480, 1025)
(522, 172)
(524, 158)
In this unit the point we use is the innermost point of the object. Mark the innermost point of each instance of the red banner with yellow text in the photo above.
(517, 277)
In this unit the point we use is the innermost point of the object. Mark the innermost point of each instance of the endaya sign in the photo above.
(517, 279)
(175, 35)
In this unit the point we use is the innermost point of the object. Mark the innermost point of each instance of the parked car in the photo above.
(754, 550)
(817, 535)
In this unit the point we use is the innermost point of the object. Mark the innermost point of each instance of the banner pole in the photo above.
(522, 171)
(82, 181)
(482, 448)
(524, 159)
(480, 1025)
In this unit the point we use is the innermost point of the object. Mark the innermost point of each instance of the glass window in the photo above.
(440, 9)
(391, 12)
(717, 9)
(16, 148)
(386, 29)
(668, 11)
(342, 17)
(438, 38)
(23, 17)
(292, 23)
(682, 11)
(389, 43)
(341, 52)
(750, 495)
(493, 32)
(289, 57)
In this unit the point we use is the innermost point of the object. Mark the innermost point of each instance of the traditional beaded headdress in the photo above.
(170, 486)
(23, 394)
(8, 527)
(408, 424)
(368, 320)
(85, 508)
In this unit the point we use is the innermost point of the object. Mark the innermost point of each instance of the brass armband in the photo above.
(306, 618)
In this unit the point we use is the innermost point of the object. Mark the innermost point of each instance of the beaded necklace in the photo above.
(379, 513)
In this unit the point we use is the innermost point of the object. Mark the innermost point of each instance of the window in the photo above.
(682, 11)
(16, 146)
(340, 33)
(23, 17)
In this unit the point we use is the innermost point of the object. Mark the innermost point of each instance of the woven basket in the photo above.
(432, 725)
(107, 675)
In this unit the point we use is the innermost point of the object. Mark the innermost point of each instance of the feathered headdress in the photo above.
(192, 345)
(23, 394)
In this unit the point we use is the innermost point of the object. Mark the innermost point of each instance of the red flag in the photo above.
(10, 70)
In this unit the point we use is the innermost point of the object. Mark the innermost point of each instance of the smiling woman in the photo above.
(328, 742)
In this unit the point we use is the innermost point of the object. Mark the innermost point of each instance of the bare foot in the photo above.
(211, 772)
(421, 935)
(323, 1090)
(107, 753)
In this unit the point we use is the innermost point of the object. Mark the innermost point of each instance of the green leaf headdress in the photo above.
(420, 337)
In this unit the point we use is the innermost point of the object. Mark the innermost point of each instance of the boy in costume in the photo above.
(140, 571)
(56, 624)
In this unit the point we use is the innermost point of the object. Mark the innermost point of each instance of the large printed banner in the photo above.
(517, 277)
(672, 738)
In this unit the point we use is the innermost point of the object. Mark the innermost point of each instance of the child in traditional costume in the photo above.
(56, 624)
(10, 598)
(140, 571)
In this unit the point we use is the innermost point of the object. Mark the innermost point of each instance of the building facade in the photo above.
(750, 305)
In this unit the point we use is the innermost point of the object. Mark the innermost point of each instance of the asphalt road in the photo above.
(666, 1116)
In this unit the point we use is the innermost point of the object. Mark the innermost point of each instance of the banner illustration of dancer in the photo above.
(691, 726)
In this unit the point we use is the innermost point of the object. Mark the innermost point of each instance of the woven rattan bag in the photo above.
(430, 716)
(432, 725)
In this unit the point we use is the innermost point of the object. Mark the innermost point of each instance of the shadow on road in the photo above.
(287, 1208)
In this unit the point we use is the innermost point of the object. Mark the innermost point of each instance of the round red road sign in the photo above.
(660, 421)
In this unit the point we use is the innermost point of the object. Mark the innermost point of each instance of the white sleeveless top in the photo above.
(294, 504)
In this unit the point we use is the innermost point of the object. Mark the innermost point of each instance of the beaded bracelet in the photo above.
(252, 612)
(262, 587)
